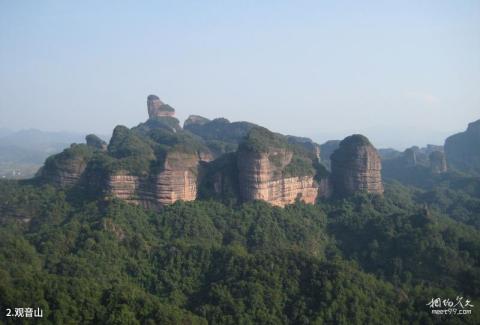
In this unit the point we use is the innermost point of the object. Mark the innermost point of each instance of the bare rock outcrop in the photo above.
(261, 180)
(157, 108)
(270, 170)
(129, 188)
(356, 166)
(177, 180)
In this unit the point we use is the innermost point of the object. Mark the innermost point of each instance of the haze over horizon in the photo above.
(402, 74)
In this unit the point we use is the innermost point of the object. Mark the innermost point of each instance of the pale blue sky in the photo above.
(400, 72)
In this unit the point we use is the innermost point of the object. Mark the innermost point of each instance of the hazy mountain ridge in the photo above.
(23, 152)
(158, 162)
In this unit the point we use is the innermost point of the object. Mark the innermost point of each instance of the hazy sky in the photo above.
(400, 72)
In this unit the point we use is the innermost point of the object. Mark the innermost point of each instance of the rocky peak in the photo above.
(157, 108)
(462, 150)
(356, 166)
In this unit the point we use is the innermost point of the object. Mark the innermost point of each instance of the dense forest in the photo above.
(366, 259)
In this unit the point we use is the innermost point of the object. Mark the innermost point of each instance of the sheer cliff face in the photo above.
(356, 166)
(130, 188)
(261, 177)
(176, 181)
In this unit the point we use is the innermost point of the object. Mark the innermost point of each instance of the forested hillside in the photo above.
(364, 259)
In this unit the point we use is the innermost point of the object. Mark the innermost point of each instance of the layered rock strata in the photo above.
(356, 166)
(259, 181)
(176, 181)
(130, 188)
(263, 176)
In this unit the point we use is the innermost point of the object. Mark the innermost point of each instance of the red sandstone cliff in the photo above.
(263, 175)
(176, 181)
(356, 166)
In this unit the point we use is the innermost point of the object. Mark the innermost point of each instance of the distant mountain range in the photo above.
(23, 152)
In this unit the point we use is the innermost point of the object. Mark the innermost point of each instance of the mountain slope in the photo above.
(108, 262)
